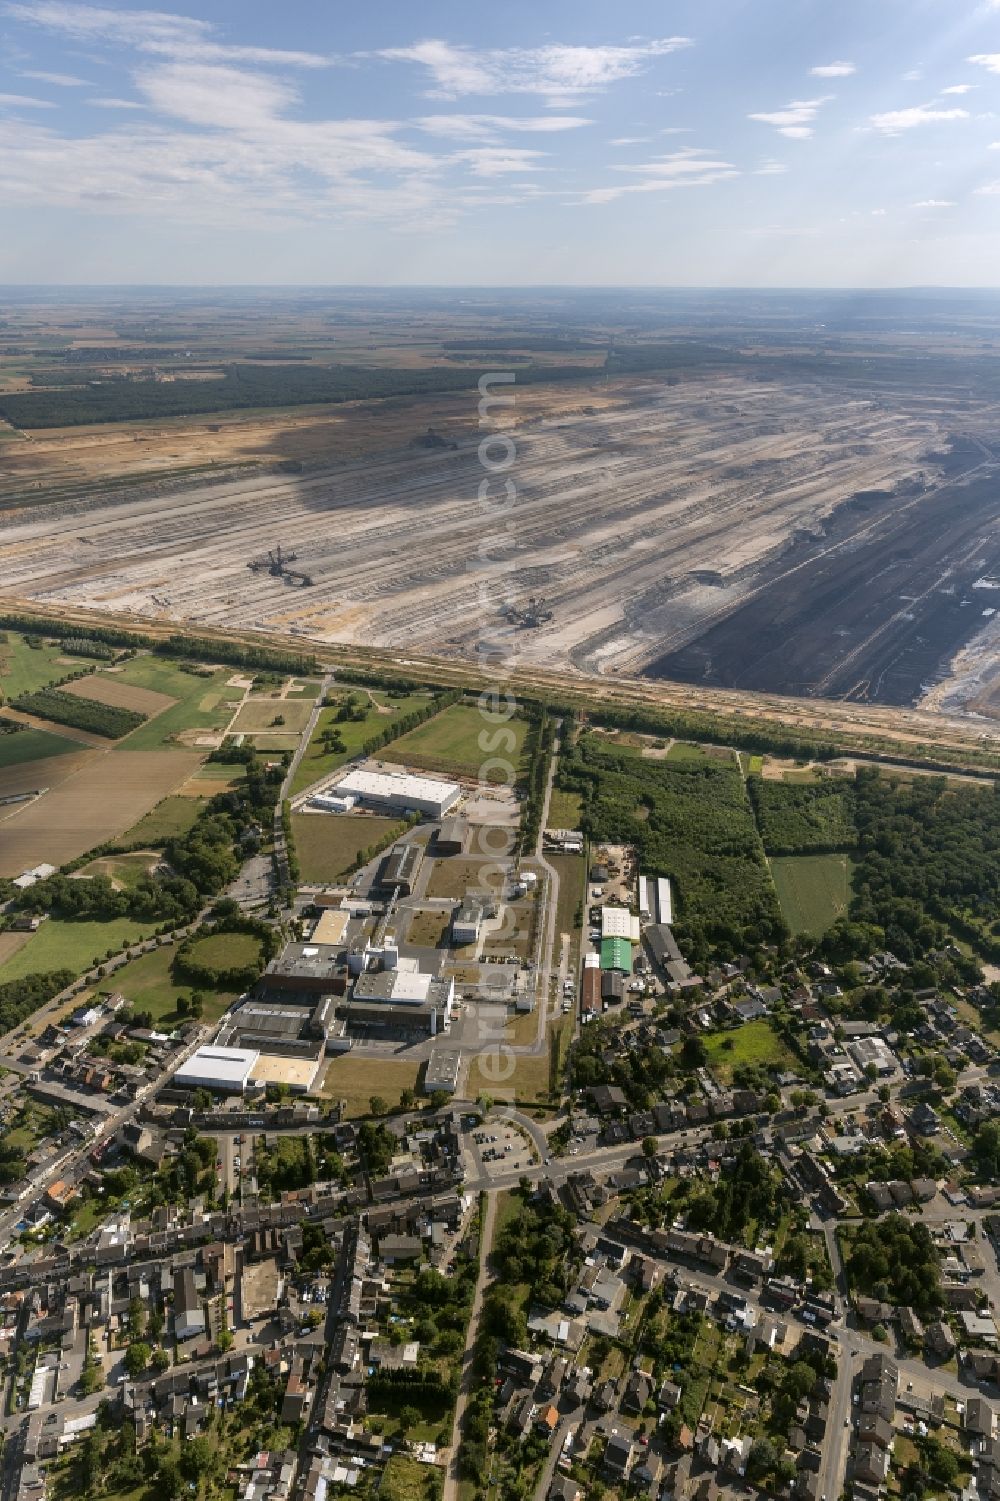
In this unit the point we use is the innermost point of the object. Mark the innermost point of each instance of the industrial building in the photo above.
(442, 1070)
(303, 972)
(403, 998)
(400, 869)
(225, 1070)
(332, 802)
(618, 922)
(664, 951)
(656, 903)
(590, 999)
(451, 837)
(331, 928)
(616, 953)
(382, 789)
(466, 924)
(292, 1041)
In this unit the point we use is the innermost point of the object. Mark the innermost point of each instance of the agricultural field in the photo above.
(813, 890)
(150, 986)
(259, 715)
(103, 688)
(28, 746)
(106, 797)
(328, 844)
(380, 709)
(72, 945)
(753, 1044)
(356, 1079)
(204, 703)
(214, 777)
(453, 743)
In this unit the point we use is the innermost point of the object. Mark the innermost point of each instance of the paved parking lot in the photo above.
(500, 1148)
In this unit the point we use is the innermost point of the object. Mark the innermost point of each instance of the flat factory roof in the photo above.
(384, 784)
(297, 1073)
(223, 1065)
(331, 927)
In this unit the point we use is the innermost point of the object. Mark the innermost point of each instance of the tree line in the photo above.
(233, 653)
(247, 386)
(109, 720)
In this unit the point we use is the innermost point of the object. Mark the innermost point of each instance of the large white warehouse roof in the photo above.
(217, 1068)
(397, 788)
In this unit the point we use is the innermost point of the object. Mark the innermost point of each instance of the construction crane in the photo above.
(275, 562)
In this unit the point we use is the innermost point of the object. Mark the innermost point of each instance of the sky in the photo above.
(641, 143)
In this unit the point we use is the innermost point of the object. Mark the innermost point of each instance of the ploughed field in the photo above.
(743, 531)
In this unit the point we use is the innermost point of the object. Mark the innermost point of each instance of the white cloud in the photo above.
(489, 127)
(630, 140)
(561, 74)
(913, 76)
(989, 190)
(24, 101)
(959, 88)
(894, 121)
(60, 80)
(150, 31)
(113, 103)
(498, 161)
(988, 60)
(229, 98)
(933, 203)
(680, 169)
(677, 130)
(770, 168)
(795, 120)
(833, 70)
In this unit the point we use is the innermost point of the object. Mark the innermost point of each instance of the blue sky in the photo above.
(682, 142)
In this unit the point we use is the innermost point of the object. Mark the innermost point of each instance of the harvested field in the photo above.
(644, 523)
(120, 694)
(10, 943)
(104, 798)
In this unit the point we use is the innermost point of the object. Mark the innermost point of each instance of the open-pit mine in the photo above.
(802, 537)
